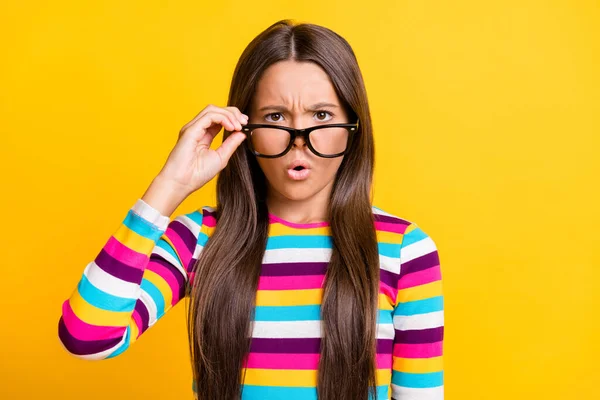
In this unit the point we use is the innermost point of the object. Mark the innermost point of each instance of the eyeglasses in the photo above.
(271, 141)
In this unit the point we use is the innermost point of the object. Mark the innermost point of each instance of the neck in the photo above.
(304, 211)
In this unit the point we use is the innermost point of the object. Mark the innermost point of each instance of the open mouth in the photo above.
(299, 168)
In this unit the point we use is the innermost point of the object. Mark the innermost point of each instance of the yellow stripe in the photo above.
(295, 377)
(418, 365)
(389, 237)
(162, 285)
(96, 316)
(134, 241)
(277, 229)
(301, 297)
(410, 228)
(385, 303)
(134, 331)
(420, 292)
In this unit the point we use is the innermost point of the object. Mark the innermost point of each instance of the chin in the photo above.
(297, 191)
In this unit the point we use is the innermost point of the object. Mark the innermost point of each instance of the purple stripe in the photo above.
(420, 263)
(389, 278)
(206, 213)
(419, 336)
(83, 347)
(185, 234)
(294, 268)
(191, 265)
(304, 345)
(393, 220)
(143, 312)
(116, 268)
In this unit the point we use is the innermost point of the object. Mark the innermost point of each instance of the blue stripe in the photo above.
(156, 295)
(413, 236)
(288, 313)
(202, 239)
(304, 313)
(425, 380)
(303, 242)
(141, 226)
(420, 306)
(103, 300)
(389, 249)
(124, 346)
(195, 216)
(253, 392)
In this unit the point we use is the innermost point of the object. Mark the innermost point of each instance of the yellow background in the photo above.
(486, 118)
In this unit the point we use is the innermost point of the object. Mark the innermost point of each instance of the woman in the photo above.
(299, 288)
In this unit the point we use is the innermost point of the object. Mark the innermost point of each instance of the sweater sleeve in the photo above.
(141, 273)
(417, 372)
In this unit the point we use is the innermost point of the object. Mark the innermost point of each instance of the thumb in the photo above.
(229, 145)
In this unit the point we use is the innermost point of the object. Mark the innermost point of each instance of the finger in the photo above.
(229, 145)
(204, 130)
(241, 117)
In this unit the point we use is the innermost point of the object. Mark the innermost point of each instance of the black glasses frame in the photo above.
(351, 128)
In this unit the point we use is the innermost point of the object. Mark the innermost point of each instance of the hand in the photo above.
(192, 163)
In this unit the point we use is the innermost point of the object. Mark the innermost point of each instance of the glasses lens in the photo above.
(329, 141)
(269, 141)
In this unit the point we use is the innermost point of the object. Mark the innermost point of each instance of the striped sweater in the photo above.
(144, 267)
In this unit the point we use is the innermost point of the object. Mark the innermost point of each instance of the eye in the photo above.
(276, 120)
(322, 112)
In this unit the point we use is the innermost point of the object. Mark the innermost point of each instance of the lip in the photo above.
(297, 163)
(298, 175)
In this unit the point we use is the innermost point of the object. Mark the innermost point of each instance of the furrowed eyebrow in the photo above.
(314, 107)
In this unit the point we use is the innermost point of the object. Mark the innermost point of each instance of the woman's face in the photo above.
(298, 95)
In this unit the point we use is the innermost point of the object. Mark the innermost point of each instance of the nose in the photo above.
(299, 140)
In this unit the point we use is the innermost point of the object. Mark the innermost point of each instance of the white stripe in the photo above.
(147, 300)
(304, 329)
(379, 211)
(390, 264)
(150, 214)
(385, 331)
(110, 284)
(197, 251)
(419, 321)
(417, 249)
(407, 393)
(297, 255)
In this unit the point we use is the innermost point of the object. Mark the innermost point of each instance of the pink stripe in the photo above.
(82, 331)
(167, 275)
(423, 350)
(274, 218)
(138, 321)
(384, 361)
(388, 291)
(283, 361)
(124, 254)
(209, 221)
(389, 227)
(428, 275)
(300, 361)
(290, 282)
(180, 247)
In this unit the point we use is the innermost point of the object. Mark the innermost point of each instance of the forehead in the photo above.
(290, 82)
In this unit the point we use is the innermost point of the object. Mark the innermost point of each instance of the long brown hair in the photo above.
(223, 291)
